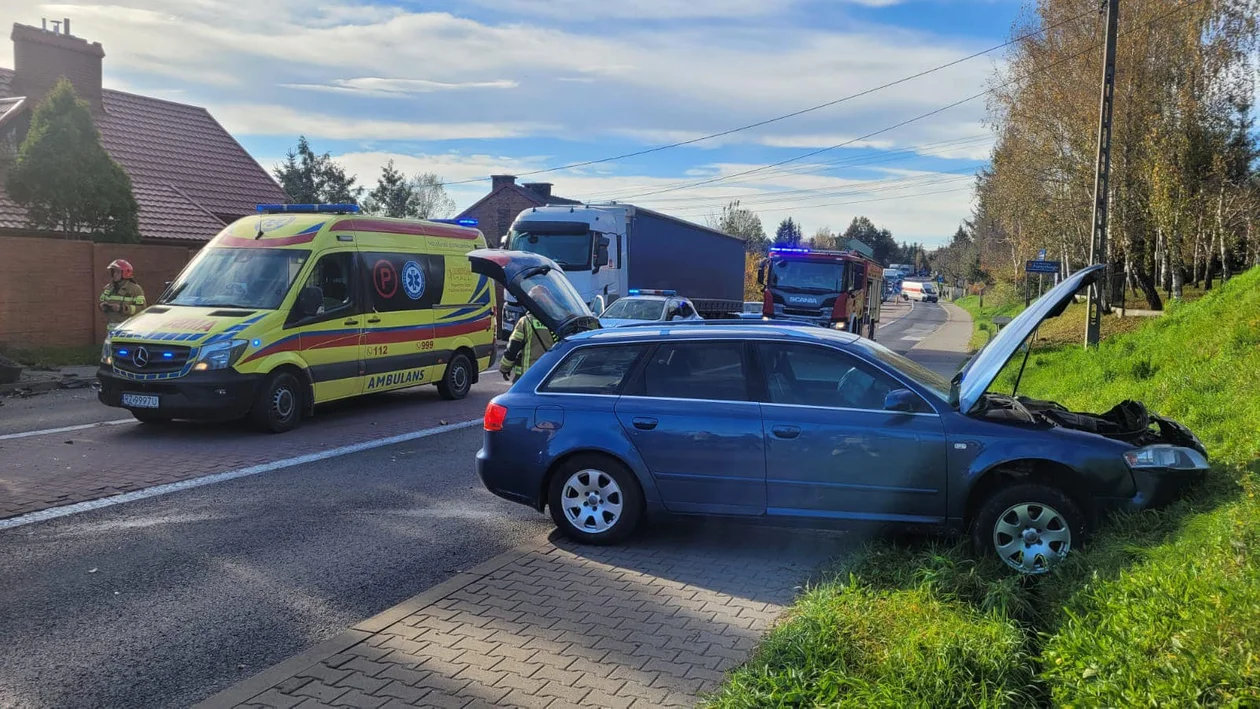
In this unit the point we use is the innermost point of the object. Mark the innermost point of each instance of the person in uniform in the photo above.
(530, 339)
(123, 297)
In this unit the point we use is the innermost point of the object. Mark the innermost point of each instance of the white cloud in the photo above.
(917, 206)
(264, 119)
(399, 88)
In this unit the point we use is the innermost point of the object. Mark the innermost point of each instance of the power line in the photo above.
(851, 161)
(723, 178)
(794, 114)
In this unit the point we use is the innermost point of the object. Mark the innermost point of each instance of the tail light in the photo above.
(767, 304)
(496, 414)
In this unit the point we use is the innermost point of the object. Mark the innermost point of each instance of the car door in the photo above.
(691, 417)
(832, 451)
(329, 340)
(398, 340)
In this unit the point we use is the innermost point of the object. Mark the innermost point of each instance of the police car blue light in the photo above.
(651, 291)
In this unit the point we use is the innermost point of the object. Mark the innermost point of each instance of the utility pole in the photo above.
(1098, 242)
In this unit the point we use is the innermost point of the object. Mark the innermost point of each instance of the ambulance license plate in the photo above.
(140, 401)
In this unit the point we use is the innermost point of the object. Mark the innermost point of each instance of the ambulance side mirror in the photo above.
(309, 301)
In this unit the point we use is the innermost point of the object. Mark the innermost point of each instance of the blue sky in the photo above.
(478, 87)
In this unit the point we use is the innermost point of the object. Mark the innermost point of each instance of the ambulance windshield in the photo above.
(236, 278)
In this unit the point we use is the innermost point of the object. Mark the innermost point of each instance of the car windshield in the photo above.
(631, 309)
(571, 251)
(818, 276)
(924, 377)
(237, 278)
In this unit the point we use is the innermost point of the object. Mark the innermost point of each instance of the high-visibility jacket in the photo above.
(530, 340)
(126, 293)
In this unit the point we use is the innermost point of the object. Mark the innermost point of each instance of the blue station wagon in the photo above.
(803, 424)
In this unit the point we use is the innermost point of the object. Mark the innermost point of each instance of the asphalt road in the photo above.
(166, 601)
(54, 409)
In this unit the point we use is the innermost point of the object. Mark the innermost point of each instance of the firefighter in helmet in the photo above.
(123, 297)
(530, 339)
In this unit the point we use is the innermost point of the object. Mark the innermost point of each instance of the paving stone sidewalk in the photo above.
(654, 623)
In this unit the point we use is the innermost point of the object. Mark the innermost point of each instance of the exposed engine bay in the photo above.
(1129, 421)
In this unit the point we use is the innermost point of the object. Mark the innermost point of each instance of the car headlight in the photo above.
(107, 351)
(840, 325)
(220, 355)
(1166, 456)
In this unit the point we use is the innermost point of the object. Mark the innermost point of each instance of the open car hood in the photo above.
(973, 381)
(539, 285)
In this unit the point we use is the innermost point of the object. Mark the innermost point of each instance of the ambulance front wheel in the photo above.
(278, 407)
(457, 379)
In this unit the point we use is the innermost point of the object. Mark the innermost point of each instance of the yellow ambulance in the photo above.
(302, 305)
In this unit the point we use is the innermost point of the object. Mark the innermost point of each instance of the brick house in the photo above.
(190, 177)
(496, 211)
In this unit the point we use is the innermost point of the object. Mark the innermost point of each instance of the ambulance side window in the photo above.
(333, 275)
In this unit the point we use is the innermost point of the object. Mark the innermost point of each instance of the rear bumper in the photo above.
(510, 479)
(220, 395)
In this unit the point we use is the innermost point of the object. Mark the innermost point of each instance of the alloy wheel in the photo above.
(592, 501)
(1032, 537)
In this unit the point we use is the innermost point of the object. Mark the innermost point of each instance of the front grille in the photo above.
(807, 312)
(146, 358)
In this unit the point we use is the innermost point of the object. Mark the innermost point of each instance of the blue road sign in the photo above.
(1042, 266)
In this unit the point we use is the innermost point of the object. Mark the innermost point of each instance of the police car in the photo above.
(642, 306)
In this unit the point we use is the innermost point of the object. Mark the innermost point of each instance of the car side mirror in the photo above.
(310, 301)
(761, 273)
(902, 400)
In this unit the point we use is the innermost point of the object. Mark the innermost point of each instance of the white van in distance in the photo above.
(923, 291)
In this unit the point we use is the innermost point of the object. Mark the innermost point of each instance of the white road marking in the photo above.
(64, 429)
(890, 322)
(55, 512)
(913, 339)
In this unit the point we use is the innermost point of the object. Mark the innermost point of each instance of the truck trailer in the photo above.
(607, 250)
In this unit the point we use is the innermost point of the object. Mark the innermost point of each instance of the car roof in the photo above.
(647, 297)
(715, 330)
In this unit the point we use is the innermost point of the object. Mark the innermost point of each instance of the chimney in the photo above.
(42, 56)
(542, 189)
(497, 181)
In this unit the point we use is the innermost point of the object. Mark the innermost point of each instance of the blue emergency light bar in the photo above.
(309, 208)
(790, 250)
(651, 291)
(466, 221)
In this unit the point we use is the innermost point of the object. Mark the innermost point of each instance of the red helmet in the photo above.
(123, 266)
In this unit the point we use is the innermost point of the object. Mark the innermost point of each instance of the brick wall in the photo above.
(495, 215)
(49, 287)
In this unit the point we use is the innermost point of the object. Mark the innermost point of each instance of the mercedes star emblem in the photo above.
(141, 357)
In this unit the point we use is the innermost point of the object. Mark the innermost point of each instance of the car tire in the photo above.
(279, 405)
(1029, 526)
(150, 417)
(457, 379)
(613, 506)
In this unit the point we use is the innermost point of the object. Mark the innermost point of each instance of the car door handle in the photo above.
(374, 320)
(786, 431)
(351, 321)
(644, 423)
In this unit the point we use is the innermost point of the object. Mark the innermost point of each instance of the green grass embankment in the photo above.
(1162, 608)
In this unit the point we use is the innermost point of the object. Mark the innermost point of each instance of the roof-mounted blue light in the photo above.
(309, 208)
(466, 221)
(789, 250)
(651, 291)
